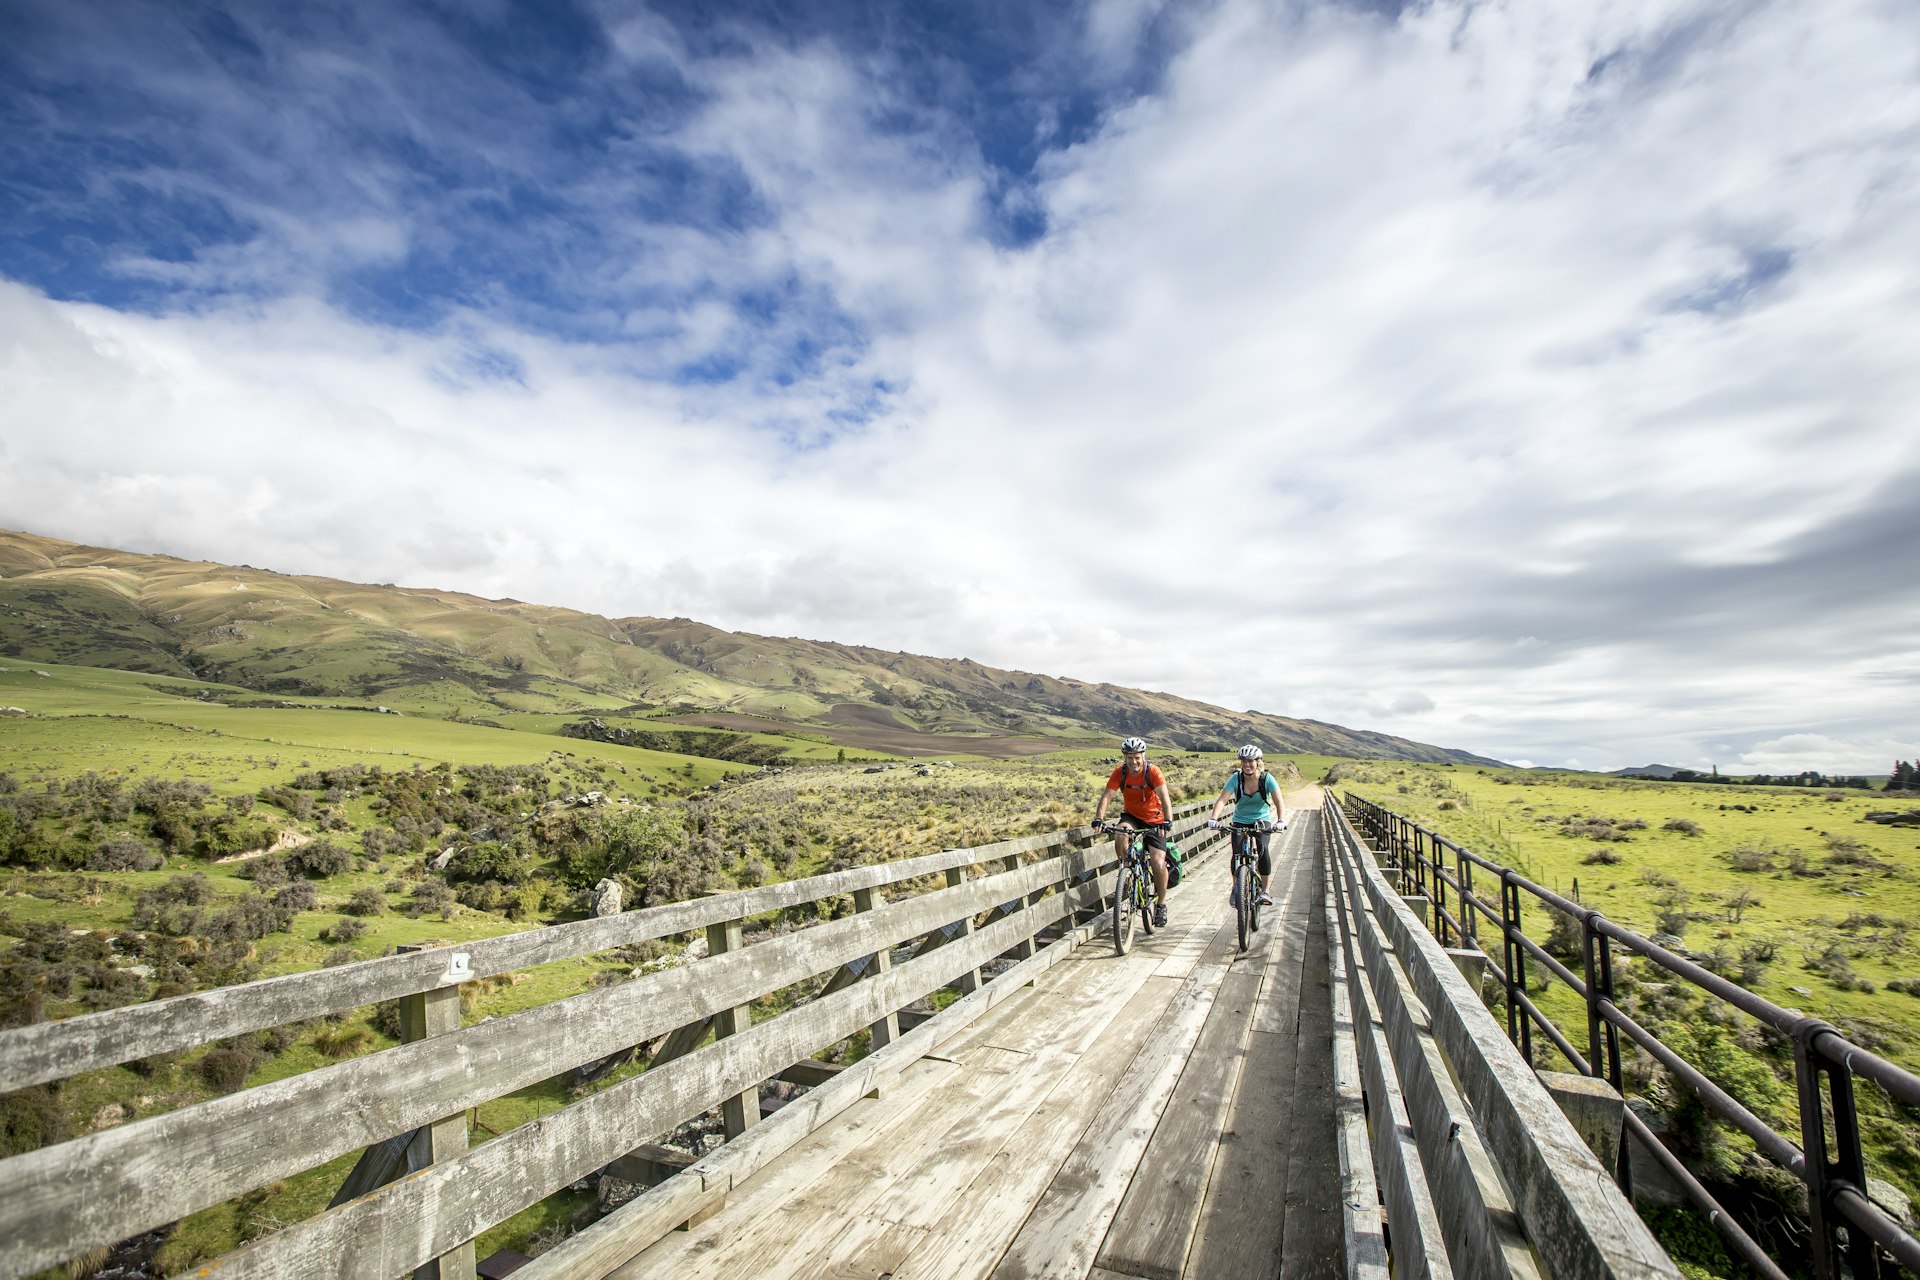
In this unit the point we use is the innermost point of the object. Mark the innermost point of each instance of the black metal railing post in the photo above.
(1813, 1143)
(1832, 1237)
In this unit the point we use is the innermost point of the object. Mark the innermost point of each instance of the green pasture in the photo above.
(82, 718)
(1847, 868)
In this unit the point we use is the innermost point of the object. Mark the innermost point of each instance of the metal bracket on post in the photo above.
(742, 1109)
(423, 1015)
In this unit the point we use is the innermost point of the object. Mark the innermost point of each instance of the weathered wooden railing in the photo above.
(419, 1196)
(1848, 1233)
(1480, 1173)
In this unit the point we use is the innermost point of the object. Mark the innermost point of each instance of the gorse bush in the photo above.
(319, 860)
(125, 853)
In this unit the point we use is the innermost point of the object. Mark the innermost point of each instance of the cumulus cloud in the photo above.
(1535, 380)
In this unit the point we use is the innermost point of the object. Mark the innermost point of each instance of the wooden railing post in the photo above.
(968, 982)
(1024, 949)
(887, 1030)
(423, 1015)
(742, 1109)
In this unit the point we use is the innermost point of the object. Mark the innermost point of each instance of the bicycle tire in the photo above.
(1123, 912)
(1243, 913)
(1143, 901)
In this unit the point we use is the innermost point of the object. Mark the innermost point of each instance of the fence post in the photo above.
(1809, 1065)
(1519, 1026)
(1440, 925)
(423, 1015)
(1022, 949)
(968, 982)
(887, 1030)
(742, 1109)
(1469, 914)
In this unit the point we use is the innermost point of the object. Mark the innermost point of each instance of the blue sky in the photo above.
(1530, 379)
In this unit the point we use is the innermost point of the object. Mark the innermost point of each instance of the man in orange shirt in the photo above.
(1146, 807)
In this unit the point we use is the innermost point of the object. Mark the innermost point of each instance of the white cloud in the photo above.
(1549, 365)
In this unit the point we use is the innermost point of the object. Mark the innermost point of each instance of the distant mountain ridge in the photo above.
(1646, 771)
(451, 654)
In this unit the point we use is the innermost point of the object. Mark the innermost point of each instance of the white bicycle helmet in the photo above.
(1133, 744)
(1251, 752)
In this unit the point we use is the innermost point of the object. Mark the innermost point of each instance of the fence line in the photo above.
(419, 1196)
(1849, 1234)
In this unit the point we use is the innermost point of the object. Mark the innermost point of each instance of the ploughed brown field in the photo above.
(874, 729)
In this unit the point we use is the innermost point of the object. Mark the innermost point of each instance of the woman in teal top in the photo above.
(1255, 797)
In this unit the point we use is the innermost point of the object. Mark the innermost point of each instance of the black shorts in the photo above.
(1260, 839)
(1156, 835)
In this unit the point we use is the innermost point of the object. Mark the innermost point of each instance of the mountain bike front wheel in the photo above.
(1244, 910)
(1123, 912)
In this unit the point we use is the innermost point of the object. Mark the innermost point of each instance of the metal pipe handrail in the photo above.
(1835, 1196)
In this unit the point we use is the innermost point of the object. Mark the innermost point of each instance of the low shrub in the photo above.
(319, 859)
(366, 901)
(1685, 826)
(125, 853)
(298, 896)
(268, 871)
(226, 1067)
(345, 929)
(30, 1118)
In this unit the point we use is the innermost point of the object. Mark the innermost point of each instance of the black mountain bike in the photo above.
(1132, 888)
(1246, 885)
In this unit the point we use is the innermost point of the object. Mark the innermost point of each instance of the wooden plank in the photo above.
(1062, 1234)
(649, 1165)
(1363, 1235)
(821, 1208)
(757, 1202)
(864, 1248)
(865, 1181)
(1243, 1219)
(623, 1234)
(421, 1216)
(229, 1145)
(980, 1222)
(1059, 1034)
(1155, 1222)
(1313, 1246)
(810, 1073)
(681, 1041)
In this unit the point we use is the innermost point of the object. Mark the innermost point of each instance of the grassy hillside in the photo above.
(1794, 893)
(445, 654)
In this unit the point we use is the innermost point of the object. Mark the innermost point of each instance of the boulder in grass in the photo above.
(607, 898)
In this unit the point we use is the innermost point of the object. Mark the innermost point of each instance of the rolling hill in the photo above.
(447, 654)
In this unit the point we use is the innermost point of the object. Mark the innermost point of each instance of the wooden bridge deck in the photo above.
(1163, 1114)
